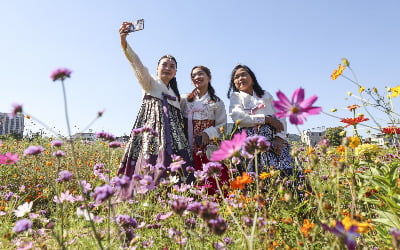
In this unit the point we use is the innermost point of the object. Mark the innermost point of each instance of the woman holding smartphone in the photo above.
(205, 114)
(158, 132)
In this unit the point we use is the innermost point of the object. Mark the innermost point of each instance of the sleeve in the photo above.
(220, 120)
(237, 113)
(282, 120)
(141, 72)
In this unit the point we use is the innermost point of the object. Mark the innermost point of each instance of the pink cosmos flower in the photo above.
(9, 158)
(229, 148)
(298, 108)
(60, 74)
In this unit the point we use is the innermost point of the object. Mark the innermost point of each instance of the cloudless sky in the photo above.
(287, 44)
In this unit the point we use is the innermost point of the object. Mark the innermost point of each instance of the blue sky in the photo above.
(287, 44)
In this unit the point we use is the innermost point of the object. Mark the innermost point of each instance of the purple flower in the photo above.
(22, 225)
(162, 216)
(86, 186)
(190, 223)
(213, 169)
(33, 150)
(9, 158)
(120, 182)
(102, 193)
(217, 226)
(176, 163)
(126, 221)
(65, 175)
(114, 144)
(58, 153)
(229, 148)
(17, 108)
(8, 196)
(209, 211)
(56, 143)
(105, 136)
(146, 184)
(178, 205)
(347, 237)
(255, 144)
(60, 74)
(298, 108)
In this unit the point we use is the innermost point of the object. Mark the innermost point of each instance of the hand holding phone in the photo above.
(135, 26)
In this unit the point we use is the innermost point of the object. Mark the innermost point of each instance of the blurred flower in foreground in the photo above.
(346, 236)
(353, 121)
(298, 108)
(229, 148)
(337, 72)
(367, 150)
(22, 225)
(391, 130)
(60, 74)
(9, 158)
(395, 91)
(361, 89)
(17, 108)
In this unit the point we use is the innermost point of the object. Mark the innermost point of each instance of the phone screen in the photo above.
(136, 26)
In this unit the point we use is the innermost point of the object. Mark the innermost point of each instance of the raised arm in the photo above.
(141, 72)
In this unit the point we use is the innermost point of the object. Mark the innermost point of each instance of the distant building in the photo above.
(84, 136)
(13, 125)
(311, 138)
(382, 139)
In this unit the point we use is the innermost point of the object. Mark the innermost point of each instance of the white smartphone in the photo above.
(135, 26)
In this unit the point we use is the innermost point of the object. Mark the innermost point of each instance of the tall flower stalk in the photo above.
(60, 75)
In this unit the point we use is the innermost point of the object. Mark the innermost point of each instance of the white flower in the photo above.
(23, 209)
(173, 179)
(84, 213)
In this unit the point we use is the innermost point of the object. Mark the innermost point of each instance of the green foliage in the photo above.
(334, 135)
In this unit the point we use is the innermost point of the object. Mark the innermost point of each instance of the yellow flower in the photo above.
(367, 149)
(349, 93)
(361, 89)
(264, 175)
(333, 110)
(362, 227)
(345, 62)
(395, 91)
(337, 72)
(375, 90)
(354, 141)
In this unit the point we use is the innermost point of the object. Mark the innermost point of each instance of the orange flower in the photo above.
(353, 107)
(354, 141)
(287, 220)
(341, 149)
(264, 175)
(354, 121)
(337, 72)
(241, 181)
(307, 226)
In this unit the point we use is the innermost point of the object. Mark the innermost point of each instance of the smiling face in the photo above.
(243, 81)
(200, 78)
(166, 69)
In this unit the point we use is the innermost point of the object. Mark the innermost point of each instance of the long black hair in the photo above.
(210, 89)
(173, 84)
(256, 86)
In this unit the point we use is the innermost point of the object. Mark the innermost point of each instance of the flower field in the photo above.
(58, 193)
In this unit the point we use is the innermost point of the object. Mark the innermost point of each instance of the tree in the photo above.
(335, 135)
